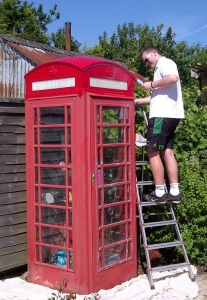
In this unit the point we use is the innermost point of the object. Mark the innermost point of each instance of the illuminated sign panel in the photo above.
(108, 84)
(53, 84)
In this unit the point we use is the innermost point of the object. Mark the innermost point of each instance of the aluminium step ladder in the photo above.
(168, 219)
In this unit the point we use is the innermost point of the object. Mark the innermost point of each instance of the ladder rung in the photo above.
(164, 245)
(142, 163)
(170, 267)
(161, 223)
(149, 182)
(158, 214)
(149, 203)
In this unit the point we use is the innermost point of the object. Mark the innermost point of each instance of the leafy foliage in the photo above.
(192, 213)
(60, 295)
(58, 40)
(191, 152)
(125, 44)
(21, 19)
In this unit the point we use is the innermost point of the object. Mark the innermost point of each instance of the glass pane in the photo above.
(55, 257)
(69, 115)
(112, 115)
(98, 136)
(36, 175)
(37, 234)
(113, 135)
(129, 249)
(52, 136)
(69, 156)
(70, 238)
(35, 136)
(70, 198)
(100, 237)
(52, 176)
(127, 115)
(53, 196)
(129, 230)
(113, 154)
(113, 174)
(113, 214)
(100, 177)
(70, 218)
(53, 236)
(37, 214)
(70, 177)
(36, 195)
(128, 154)
(69, 136)
(114, 194)
(53, 156)
(99, 156)
(100, 260)
(114, 234)
(35, 116)
(128, 191)
(99, 196)
(127, 135)
(100, 217)
(36, 155)
(71, 259)
(37, 254)
(112, 255)
(54, 216)
(52, 115)
(98, 114)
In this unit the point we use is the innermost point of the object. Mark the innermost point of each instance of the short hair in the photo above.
(148, 49)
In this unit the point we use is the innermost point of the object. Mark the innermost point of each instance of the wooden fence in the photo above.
(13, 228)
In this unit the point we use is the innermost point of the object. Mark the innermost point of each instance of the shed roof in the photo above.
(198, 70)
(36, 52)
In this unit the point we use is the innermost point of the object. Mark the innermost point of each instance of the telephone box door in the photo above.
(113, 189)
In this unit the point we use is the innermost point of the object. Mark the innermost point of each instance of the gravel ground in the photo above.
(201, 279)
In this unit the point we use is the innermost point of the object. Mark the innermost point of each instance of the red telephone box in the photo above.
(80, 154)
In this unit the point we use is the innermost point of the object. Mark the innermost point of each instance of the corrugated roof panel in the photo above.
(12, 71)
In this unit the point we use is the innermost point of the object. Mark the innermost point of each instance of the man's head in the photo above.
(150, 56)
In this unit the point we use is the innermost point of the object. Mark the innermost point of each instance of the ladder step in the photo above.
(141, 183)
(142, 163)
(161, 223)
(150, 203)
(164, 245)
(170, 267)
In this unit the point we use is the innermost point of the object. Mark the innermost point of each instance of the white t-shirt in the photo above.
(166, 102)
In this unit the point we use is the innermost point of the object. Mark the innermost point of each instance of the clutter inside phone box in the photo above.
(54, 214)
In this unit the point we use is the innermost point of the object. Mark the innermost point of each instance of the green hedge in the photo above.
(191, 153)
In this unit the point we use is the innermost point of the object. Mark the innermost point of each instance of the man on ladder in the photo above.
(166, 110)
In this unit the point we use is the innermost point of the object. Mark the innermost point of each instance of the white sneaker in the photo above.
(140, 140)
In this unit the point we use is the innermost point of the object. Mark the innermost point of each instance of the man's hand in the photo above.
(147, 85)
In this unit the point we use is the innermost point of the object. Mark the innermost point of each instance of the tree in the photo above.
(21, 19)
(126, 43)
(58, 40)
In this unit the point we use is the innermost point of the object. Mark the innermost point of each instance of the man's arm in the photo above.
(142, 101)
(165, 81)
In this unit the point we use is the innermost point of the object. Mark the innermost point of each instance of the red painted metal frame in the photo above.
(86, 276)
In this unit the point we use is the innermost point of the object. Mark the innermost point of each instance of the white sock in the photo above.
(174, 189)
(159, 190)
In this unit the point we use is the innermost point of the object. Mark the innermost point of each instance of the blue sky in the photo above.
(90, 18)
